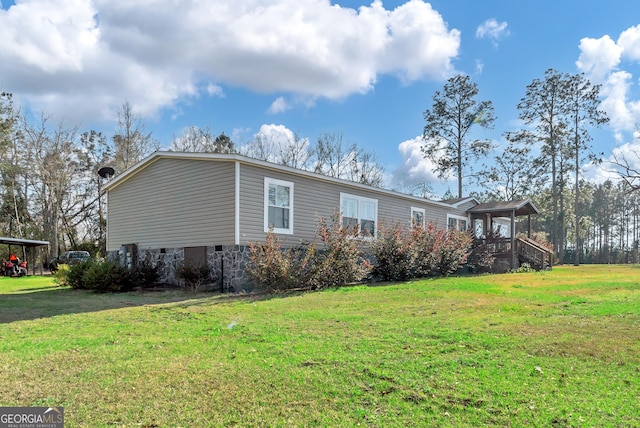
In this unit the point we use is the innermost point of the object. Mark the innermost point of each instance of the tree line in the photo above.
(51, 189)
(543, 159)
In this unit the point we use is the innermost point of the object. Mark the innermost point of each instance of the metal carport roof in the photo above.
(22, 242)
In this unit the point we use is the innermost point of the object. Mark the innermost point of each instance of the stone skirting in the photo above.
(227, 262)
(229, 265)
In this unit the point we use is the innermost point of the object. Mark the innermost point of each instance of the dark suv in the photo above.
(69, 258)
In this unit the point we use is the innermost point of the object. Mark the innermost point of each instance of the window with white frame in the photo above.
(278, 205)
(456, 222)
(417, 217)
(359, 214)
(478, 227)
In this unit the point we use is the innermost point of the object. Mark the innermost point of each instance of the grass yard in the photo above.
(558, 349)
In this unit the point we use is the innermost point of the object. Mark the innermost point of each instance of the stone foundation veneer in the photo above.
(227, 262)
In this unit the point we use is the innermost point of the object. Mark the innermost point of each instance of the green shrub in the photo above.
(106, 276)
(109, 276)
(524, 268)
(75, 274)
(194, 277)
(145, 274)
(61, 274)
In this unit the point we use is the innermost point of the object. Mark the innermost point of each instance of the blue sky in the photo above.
(367, 70)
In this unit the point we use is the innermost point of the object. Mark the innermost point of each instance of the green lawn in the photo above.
(559, 349)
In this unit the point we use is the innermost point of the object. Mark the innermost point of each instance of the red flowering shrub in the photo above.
(335, 257)
(427, 242)
(403, 253)
(270, 266)
(336, 260)
(454, 250)
(395, 252)
(339, 260)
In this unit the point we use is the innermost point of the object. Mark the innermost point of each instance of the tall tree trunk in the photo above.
(576, 261)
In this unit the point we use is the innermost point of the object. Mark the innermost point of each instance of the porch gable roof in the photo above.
(506, 209)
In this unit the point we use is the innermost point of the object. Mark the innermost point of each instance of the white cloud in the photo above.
(278, 106)
(629, 41)
(85, 57)
(272, 142)
(598, 57)
(415, 168)
(215, 90)
(492, 29)
(46, 37)
(615, 103)
(278, 135)
(282, 104)
(607, 62)
(609, 169)
(417, 42)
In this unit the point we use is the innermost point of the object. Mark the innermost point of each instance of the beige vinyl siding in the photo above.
(392, 210)
(311, 199)
(315, 198)
(174, 203)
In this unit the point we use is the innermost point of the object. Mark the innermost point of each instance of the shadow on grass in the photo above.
(30, 289)
(24, 302)
(44, 302)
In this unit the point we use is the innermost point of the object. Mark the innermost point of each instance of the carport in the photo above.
(30, 246)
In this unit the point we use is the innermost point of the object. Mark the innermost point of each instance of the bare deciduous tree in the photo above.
(194, 139)
(132, 142)
(332, 155)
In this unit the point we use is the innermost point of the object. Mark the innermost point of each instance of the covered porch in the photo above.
(488, 219)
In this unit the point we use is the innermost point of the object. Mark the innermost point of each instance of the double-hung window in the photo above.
(456, 222)
(359, 214)
(417, 217)
(278, 205)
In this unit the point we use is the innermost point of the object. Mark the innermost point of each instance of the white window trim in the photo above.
(424, 216)
(344, 196)
(478, 224)
(457, 217)
(267, 182)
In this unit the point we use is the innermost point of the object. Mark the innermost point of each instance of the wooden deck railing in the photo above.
(527, 250)
(532, 252)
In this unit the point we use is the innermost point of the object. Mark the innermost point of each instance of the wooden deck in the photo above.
(526, 251)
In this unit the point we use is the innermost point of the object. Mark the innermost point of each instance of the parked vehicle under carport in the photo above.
(69, 258)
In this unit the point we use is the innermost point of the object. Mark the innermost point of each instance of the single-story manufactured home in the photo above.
(197, 208)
